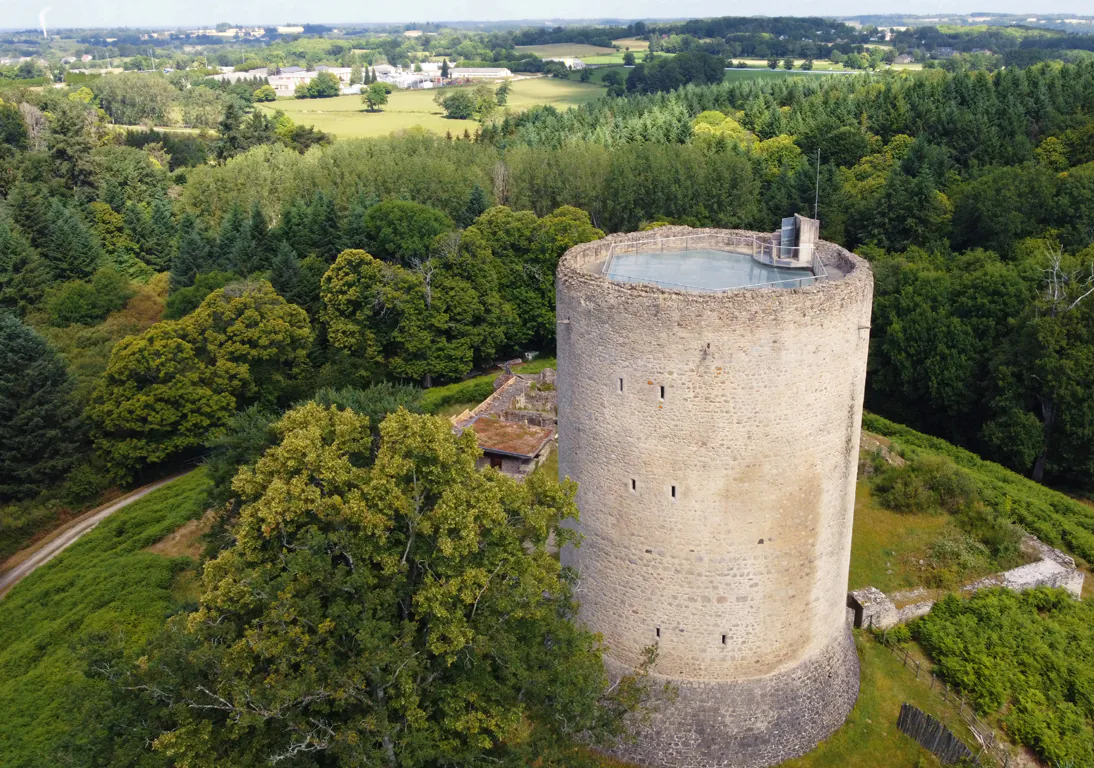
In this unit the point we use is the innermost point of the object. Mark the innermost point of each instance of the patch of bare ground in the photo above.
(186, 540)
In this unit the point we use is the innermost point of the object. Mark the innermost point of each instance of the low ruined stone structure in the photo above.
(714, 435)
(515, 426)
(872, 608)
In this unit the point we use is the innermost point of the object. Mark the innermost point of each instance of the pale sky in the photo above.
(188, 13)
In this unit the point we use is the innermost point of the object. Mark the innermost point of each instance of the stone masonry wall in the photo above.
(714, 439)
(873, 608)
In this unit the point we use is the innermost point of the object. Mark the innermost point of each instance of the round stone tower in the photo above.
(710, 387)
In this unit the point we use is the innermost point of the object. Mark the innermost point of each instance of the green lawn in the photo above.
(870, 738)
(560, 50)
(886, 546)
(102, 590)
(346, 118)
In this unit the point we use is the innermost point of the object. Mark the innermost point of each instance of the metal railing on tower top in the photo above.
(763, 250)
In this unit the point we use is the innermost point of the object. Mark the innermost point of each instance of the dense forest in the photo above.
(972, 194)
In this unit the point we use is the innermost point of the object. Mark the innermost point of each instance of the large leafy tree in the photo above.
(404, 614)
(527, 250)
(261, 337)
(40, 429)
(174, 387)
(157, 398)
(435, 320)
(403, 232)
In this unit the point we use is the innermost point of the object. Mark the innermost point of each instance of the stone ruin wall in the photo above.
(717, 516)
(870, 607)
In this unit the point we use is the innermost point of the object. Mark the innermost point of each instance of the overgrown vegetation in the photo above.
(102, 594)
(977, 539)
(1027, 656)
(1053, 517)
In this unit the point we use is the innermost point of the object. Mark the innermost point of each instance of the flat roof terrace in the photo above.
(713, 263)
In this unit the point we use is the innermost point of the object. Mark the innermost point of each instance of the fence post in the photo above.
(917, 670)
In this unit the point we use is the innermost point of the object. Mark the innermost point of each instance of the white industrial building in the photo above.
(479, 73)
(570, 62)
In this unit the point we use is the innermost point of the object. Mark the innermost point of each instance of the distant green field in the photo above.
(732, 75)
(818, 64)
(596, 74)
(558, 50)
(346, 118)
(617, 57)
(104, 589)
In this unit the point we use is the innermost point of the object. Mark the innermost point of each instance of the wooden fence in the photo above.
(989, 750)
(932, 735)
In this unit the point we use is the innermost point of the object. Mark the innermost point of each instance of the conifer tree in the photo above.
(71, 251)
(39, 423)
(354, 235)
(137, 218)
(285, 274)
(261, 237)
(294, 228)
(24, 277)
(158, 249)
(113, 195)
(230, 230)
(192, 256)
(244, 258)
(475, 207)
(30, 209)
(324, 227)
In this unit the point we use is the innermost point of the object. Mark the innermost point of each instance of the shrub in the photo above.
(185, 300)
(1026, 653)
(472, 390)
(81, 302)
(1051, 516)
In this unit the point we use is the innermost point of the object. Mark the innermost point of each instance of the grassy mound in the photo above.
(1054, 518)
(103, 590)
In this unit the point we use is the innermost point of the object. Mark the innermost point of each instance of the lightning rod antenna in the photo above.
(816, 194)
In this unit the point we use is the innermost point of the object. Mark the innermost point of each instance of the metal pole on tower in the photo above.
(816, 194)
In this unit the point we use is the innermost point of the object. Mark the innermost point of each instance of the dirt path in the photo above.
(44, 551)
